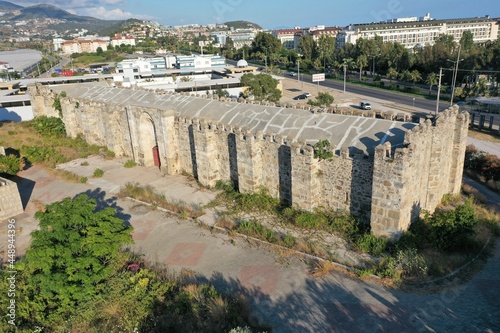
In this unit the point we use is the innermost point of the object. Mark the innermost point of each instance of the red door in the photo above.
(156, 156)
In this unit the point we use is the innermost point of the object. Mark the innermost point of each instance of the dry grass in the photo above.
(225, 222)
(148, 194)
(473, 133)
(321, 268)
(67, 176)
(470, 190)
(39, 206)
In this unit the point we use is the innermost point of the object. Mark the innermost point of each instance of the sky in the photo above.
(272, 14)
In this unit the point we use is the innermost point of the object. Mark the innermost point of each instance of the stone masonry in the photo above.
(10, 200)
(384, 171)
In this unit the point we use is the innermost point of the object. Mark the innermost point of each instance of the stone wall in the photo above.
(10, 200)
(389, 189)
(415, 177)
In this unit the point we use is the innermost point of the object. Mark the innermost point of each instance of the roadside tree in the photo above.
(261, 86)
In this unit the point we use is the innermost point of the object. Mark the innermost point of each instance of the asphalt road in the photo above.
(369, 92)
(404, 99)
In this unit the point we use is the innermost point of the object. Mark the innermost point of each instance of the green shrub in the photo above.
(40, 154)
(10, 164)
(344, 225)
(289, 241)
(406, 264)
(310, 220)
(225, 186)
(48, 126)
(98, 172)
(83, 180)
(416, 90)
(129, 164)
(250, 228)
(451, 229)
(269, 235)
(371, 244)
(320, 150)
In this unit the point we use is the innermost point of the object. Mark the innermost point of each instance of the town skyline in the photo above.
(275, 15)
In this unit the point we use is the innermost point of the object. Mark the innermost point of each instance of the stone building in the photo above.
(384, 171)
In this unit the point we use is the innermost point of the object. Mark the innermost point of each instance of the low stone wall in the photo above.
(10, 200)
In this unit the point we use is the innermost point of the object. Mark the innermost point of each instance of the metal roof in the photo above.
(362, 133)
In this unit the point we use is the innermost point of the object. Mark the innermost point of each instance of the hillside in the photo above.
(14, 13)
(6, 6)
(49, 11)
(242, 25)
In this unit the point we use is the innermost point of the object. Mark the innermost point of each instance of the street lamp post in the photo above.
(298, 67)
(345, 68)
(439, 90)
(455, 73)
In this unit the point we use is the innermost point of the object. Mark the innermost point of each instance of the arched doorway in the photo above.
(149, 153)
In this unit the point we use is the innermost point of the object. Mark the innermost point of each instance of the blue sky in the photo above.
(273, 14)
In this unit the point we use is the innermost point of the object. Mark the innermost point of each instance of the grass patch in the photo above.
(43, 142)
(149, 195)
(129, 164)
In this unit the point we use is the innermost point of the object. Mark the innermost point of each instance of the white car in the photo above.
(365, 106)
(292, 74)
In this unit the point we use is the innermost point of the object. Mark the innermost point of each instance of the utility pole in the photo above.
(345, 67)
(439, 90)
(455, 75)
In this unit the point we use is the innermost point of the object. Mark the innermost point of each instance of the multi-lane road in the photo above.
(390, 96)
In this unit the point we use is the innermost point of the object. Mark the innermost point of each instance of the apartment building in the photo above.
(290, 38)
(84, 45)
(287, 37)
(417, 32)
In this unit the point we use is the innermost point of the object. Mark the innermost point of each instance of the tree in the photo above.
(392, 73)
(326, 47)
(228, 49)
(414, 76)
(431, 80)
(307, 46)
(361, 62)
(99, 51)
(467, 42)
(220, 92)
(323, 99)
(261, 87)
(75, 250)
(265, 44)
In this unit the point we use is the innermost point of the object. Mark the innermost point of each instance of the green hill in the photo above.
(242, 25)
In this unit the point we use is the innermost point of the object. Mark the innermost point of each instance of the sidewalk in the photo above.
(278, 286)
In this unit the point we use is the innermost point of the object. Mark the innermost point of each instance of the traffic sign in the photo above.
(318, 77)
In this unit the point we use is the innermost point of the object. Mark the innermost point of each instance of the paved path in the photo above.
(280, 289)
(487, 146)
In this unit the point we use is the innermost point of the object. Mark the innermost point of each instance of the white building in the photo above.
(119, 40)
(421, 32)
(57, 42)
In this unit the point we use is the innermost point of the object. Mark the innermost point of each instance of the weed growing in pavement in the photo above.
(149, 195)
(98, 173)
